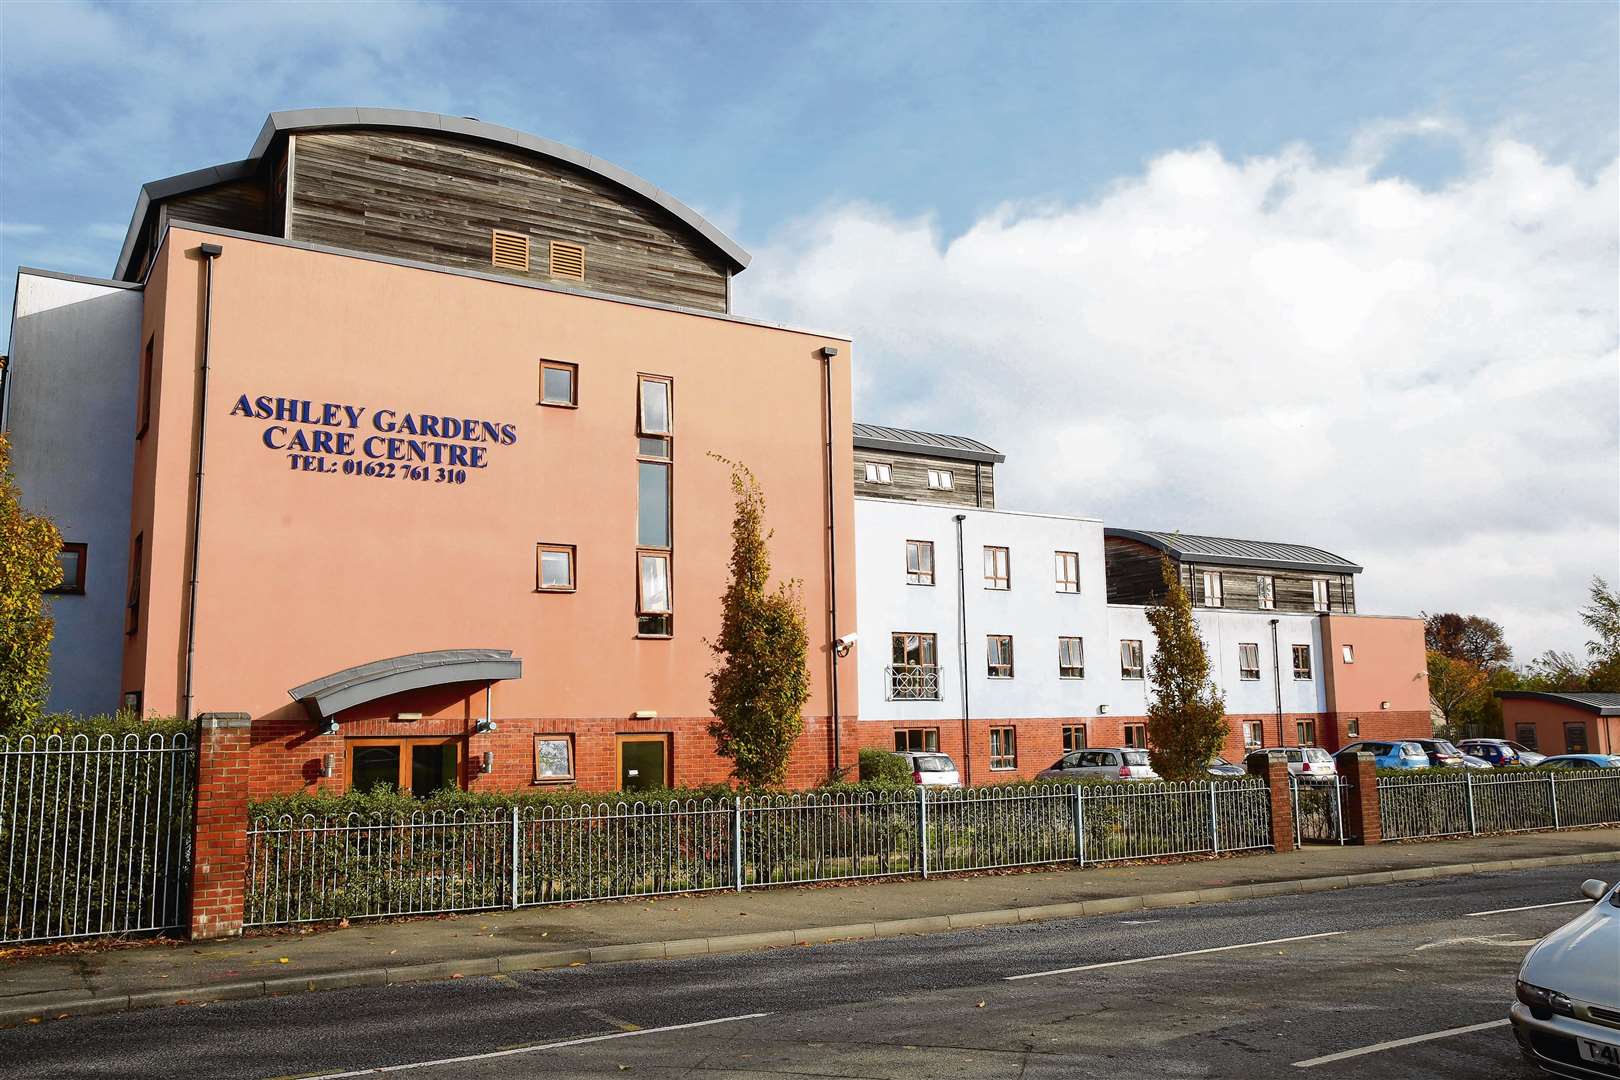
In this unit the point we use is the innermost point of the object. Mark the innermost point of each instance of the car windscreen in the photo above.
(1136, 757)
(1316, 753)
(934, 763)
(1446, 748)
(1412, 749)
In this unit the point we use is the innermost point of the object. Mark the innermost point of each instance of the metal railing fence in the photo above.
(912, 682)
(95, 839)
(1417, 806)
(1318, 810)
(354, 867)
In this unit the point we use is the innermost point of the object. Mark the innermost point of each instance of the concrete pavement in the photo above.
(98, 980)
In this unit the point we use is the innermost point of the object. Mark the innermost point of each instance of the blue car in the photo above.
(1391, 755)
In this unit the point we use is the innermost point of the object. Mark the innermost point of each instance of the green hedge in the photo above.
(116, 724)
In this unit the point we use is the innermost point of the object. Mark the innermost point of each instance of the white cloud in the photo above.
(20, 228)
(1279, 347)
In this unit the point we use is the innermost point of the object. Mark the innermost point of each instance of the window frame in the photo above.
(76, 586)
(1140, 655)
(1069, 744)
(1305, 731)
(1569, 746)
(1530, 742)
(1129, 732)
(1007, 756)
(929, 735)
(565, 737)
(1080, 646)
(932, 641)
(132, 606)
(914, 577)
(1352, 727)
(1324, 602)
(1302, 674)
(668, 382)
(667, 557)
(1347, 652)
(1249, 674)
(991, 641)
(1062, 561)
(1259, 729)
(878, 472)
(1215, 597)
(941, 479)
(544, 547)
(993, 581)
(573, 383)
(1265, 592)
(623, 737)
(407, 745)
(143, 408)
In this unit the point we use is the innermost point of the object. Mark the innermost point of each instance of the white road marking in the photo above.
(1175, 955)
(1489, 939)
(382, 1069)
(1527, 907)
(1395, 1043)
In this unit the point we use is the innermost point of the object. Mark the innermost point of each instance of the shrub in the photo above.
(882, 767)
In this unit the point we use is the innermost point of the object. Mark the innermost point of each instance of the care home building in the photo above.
(1007, 639)
(396, 436)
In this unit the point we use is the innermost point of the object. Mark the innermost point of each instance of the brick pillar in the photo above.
(219, 853)
(1273, 769)
(1361, 816)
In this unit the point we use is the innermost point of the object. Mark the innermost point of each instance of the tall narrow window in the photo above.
(145, 404)
(1265, 591)
(1000, 652)
(655, 427)
(919, 562)
(1249, 661)
(997, 568)
(1071, 658)
(1348, 652)
(1130, 659)
(1003, 748)
(1319, 594)
(1212, 588)
(1302, 661)
(132, 611)
(1067, 570)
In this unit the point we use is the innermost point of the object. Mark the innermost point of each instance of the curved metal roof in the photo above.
(1223, 551)
(904, 441)
(295, 120)
(329, 695)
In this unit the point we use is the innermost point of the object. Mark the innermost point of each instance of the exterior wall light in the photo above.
(1383, 704)
(483, 726)
(328, 765)
(1102, 710)
(330, 727)
(486, 764)
(645, 714)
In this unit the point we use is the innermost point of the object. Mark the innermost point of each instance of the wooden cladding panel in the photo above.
(1134, 578)
(238, 204)
(1132, 570)
(436, 199)
(909, 473)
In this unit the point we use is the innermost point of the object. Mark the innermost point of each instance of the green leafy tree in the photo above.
(29, 565)
(1455, 687)
(1186, 713)
(1602, 617)
(762, 681)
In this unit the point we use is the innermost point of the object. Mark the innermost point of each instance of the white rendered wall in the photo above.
(70, 416)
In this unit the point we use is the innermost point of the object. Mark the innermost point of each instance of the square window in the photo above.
(1349, 653)
(1136, 736)
(878, 472)
(999, 649)
(1074, 738)
(559, 384)
(72, 558)
(919, 562)
(997, 568)
(655, 413)
(1130, 659)
(1071, 658)
(1302, 662)
(940, 479)
(1249, 660)
(1067, 571)
(1003, 748)
(553, 758)
(556, 568)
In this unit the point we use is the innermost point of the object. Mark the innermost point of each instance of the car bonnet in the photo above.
(1582, 957)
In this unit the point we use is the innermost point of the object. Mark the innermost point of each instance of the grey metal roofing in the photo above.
(904, 441)
(295, 120)
(1222, 551)
(1601, 703)
(331, 694)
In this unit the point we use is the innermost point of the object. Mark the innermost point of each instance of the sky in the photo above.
(1337, 274)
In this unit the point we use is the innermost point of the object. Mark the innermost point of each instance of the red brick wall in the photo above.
(219, 857)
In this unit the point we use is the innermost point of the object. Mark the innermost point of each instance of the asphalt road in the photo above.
(1387, 963)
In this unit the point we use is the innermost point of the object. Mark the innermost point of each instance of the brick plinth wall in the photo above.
(1273, 769)
(219, 853)
(1361, 812)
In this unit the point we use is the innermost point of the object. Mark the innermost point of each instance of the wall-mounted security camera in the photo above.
(845, 643)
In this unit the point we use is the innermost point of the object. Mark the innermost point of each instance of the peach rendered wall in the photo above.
(1549, 718)
(304, 573)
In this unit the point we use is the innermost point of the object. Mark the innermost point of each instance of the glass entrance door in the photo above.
(643, 762)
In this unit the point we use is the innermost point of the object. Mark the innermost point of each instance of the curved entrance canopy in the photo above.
(325, 697)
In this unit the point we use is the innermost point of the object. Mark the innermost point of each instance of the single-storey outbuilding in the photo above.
(1572, 723)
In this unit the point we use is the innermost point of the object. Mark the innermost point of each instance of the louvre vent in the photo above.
(509, 249)
(568, 260)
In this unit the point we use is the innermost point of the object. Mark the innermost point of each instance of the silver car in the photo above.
(1567, 1018)
(930, 768)
(1104, 763)
(1307, 763)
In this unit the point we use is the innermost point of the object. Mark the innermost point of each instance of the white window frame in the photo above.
(1348, 652)
(917, 574)
(941, 480)
(1305, 674)
(1212, 588)
(1265, 591)
(1127, 654)
(1320, 597)
(878, 472)
(1246, 673)
(991, 644)
(1079, 657)
(1254, 733)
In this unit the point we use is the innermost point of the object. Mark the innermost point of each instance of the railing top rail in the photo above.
(105, 743)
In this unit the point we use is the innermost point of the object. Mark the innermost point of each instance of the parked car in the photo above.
(1501, 752)
(1310, 763)
(1442, 754)
(1473, 762)
(1396, 754)
(930, 768)
(1569, 998)
(1581, 761)
(1220, 767)
(1105, 763)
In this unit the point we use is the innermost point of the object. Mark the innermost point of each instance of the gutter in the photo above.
(828, 352)
(1276, 678)
(962, 658)
(208, 252)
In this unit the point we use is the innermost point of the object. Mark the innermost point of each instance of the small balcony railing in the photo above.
(913, 682)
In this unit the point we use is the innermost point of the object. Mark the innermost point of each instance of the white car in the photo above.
(1567, 1018)
(929, 768)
